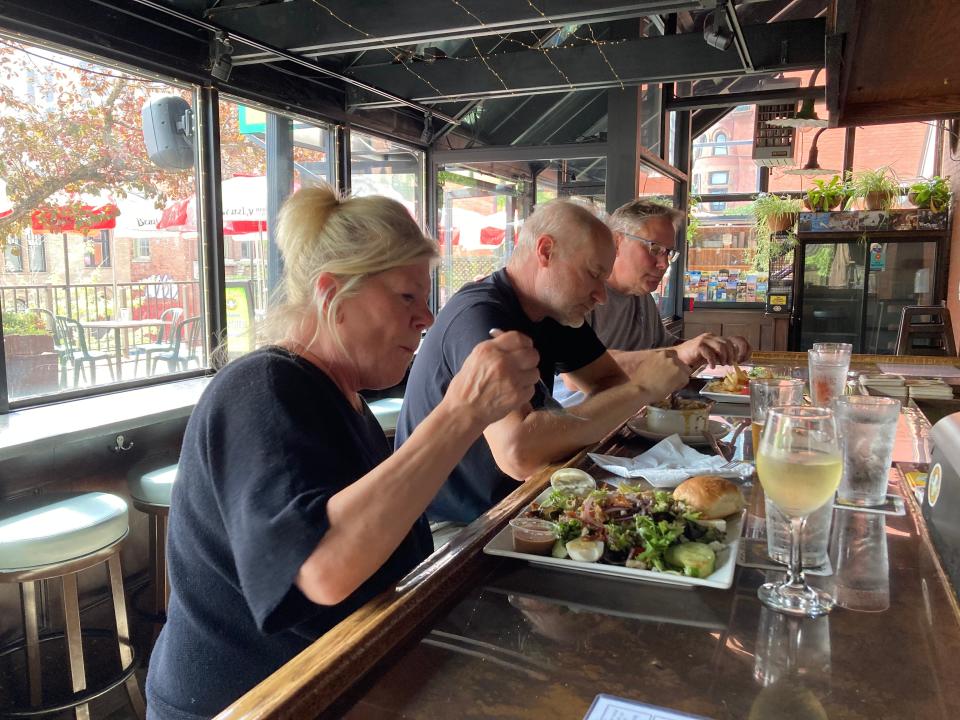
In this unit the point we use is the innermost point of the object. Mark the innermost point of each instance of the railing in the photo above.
(104, 301)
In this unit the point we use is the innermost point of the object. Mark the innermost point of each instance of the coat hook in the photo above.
(120, 447)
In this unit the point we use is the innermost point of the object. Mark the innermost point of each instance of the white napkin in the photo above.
(668, 463)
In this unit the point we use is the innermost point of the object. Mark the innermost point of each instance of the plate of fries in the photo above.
(732, 387)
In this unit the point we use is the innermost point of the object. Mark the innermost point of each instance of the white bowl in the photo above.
(691, 417)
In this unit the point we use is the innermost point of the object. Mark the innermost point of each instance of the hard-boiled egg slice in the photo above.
(573, 481)
(585, 550)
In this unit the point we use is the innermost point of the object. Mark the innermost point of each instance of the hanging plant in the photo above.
(775, 222)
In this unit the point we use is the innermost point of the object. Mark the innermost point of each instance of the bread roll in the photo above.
(713, 496)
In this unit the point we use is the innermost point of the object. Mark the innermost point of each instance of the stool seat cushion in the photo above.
(154, 487)
(387, 412)
(55, 528)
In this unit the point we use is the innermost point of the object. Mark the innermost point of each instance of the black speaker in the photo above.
(168, 132)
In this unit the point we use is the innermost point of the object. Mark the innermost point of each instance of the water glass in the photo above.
(799, 467)
(867, 427)
(861, 565)
(768, 393)
(828, 375)
(814, 542)
(833, 348)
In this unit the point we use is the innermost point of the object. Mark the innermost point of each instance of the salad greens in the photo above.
(638, 528)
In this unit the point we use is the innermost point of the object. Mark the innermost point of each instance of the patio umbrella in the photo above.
(244, 209)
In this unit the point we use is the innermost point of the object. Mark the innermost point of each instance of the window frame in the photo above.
(204, 102)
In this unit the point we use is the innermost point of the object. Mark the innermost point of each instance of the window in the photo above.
(36, 253)
(13, 255)
(906, 148)
(141, 249)
(720, 255)
(719, 177)
(734, 132)
(251, 257)
(720, 144)
(383, 167)
(79, 246)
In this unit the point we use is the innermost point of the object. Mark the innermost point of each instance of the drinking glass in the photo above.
(765, 394)
(828, 375)
(833, 348)
(799, 466)
(868, 428)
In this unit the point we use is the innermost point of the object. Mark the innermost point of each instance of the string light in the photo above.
(537, 47)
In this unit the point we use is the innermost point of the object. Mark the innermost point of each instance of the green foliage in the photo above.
(693, 221)
(25, 323)
(932, 193)
(825, 195)
(882, 181)
(821, 260)
(767, 207)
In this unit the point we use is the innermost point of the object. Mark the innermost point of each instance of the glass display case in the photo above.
(852, 284)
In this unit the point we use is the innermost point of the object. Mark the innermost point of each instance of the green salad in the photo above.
(643, 529)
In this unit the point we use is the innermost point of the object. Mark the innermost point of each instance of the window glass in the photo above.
(383, 167)
(78, 190)
(830, 147)
(720, 255)
(907, 148)
(251, 259)
(726, 147)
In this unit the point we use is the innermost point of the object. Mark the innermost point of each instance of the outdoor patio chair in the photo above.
(171, 318)
(183, 347)
(75, 341)
(59, 345)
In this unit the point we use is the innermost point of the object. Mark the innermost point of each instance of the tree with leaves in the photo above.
(70, 130)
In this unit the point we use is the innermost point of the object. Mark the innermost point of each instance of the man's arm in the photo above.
(522, 444)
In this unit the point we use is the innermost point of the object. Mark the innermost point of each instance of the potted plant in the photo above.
(774, 213)
(825, 195)
(878, 188)
(31, 359)
(775, 218)
(930, 193)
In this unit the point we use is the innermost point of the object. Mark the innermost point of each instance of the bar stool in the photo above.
(58, 536)
(150, 493)
(935, 335)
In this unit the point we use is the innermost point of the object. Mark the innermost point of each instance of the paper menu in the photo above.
(919, 370)
(611, 707)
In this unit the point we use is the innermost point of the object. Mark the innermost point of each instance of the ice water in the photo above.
(816, 535)
(827, 381)
(867, 429)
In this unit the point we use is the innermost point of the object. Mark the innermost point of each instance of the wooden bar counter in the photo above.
(468, 635)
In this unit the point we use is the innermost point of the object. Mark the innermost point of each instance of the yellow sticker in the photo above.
(778, 299)
(933, 484)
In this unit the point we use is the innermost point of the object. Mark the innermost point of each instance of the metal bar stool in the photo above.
(58, 536)
(150, 493)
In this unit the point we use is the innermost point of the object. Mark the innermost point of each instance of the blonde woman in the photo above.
(289, 512)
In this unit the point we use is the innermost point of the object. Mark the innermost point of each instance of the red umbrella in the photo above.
(74, 218)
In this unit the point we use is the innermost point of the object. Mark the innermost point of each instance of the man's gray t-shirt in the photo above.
(624, 322)
(629, 322)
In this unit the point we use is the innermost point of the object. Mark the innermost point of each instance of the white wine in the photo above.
(799, 482)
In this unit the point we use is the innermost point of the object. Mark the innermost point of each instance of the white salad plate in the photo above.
(722, 577)
(725, 397)
(717, 428)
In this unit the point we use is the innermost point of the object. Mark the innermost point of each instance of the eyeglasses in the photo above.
(658, 251)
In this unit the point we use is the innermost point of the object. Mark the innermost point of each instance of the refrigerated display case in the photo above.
(852, 284)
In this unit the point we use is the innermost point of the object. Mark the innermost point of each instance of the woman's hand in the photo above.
(661, 373)
(497, 377)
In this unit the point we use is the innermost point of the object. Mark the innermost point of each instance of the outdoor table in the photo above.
(117, 326)
(475, 636)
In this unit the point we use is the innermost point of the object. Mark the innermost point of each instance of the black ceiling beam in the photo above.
(782, 46)
(150, 42)
(719, 100)
(307, 28)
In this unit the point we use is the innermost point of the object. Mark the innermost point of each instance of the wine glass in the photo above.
(799, 466)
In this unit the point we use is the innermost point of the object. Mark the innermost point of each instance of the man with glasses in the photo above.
(629, 322)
